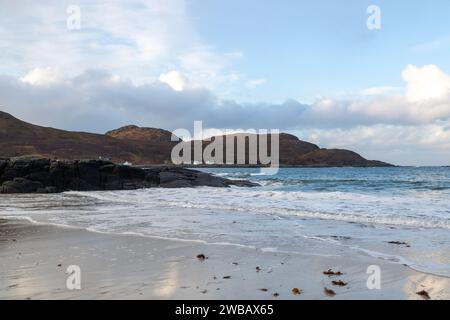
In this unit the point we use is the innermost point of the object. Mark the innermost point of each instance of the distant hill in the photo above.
(18, 138)
(295, 152)
(141, 134)
(145, 146)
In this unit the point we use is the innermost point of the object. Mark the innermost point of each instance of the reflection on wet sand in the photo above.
(168, 282)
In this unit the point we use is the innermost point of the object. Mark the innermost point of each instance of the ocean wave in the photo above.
(408, 211)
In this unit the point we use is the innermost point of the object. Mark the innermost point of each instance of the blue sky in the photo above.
(308, 48)
(311, 68)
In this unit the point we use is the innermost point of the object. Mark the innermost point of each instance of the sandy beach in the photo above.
(34, 259)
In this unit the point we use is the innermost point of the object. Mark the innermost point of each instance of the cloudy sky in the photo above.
(310, 68)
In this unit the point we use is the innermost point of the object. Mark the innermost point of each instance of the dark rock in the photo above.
(20, 185)
(46, 190)
(176, 177)
(63, 176)
(21, 167)
(3, 164)
(152, 178)
(38, 175)
(241, 183)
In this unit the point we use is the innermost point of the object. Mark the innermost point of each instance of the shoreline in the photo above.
(34, 259)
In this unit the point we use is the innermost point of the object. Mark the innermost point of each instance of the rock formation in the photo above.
(41, 175)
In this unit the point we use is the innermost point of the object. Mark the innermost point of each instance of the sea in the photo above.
(398, 214)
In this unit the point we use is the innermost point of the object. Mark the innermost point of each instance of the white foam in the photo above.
(408, 211)
(267, 217)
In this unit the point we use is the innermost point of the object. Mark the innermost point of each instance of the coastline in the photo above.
(34, 259)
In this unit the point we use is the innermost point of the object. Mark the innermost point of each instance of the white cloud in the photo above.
(402, 145)
(137, 39)
(416, 106)
(205, 67)
(425, 99)
(413, 107)
(426, 84)
(175, 79)
(42, 76)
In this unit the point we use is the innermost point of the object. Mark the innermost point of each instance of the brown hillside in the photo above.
(18, 138)
(295, 152)
(141, 134)
(145, 146)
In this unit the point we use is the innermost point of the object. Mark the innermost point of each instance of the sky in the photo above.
(311, 68)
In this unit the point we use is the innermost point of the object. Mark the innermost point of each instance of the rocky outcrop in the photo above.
(177, 177)
(40, 175)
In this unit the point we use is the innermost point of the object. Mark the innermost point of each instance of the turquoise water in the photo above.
(396, 180)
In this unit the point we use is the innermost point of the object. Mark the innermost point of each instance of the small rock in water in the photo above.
(424, 294)
(329, 292)
(339, 283)
(276, 294)
(296, 291)
(264, 290)
(330, 272)
(59, 265)
(227, 277)
(258, 269)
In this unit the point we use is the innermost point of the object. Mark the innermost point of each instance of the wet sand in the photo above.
(34, 259)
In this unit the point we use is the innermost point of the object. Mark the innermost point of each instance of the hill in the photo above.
(295, 152)
(140, 134)
(18, 138)
(146, 146)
